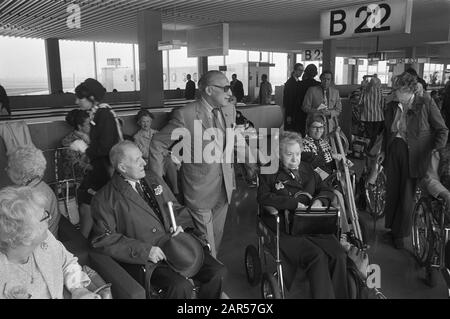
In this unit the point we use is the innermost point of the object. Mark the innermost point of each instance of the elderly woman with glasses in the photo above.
(316, 148)
(413, 127)
(33, 264)
(26, 167)
(321, 256)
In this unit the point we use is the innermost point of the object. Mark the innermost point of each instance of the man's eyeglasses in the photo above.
(225, 88)
(317, 127)
(46, 216)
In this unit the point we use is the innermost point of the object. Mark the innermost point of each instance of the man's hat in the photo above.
(184, 254)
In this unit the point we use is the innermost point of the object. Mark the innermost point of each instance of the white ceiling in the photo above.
(277, 25)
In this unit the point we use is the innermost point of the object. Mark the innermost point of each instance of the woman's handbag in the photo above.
(313, 221)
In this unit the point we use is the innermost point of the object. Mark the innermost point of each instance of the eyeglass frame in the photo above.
(225, 88)
(46, 217)
(317, 127)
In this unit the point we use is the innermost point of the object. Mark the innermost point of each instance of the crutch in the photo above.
(337, 147)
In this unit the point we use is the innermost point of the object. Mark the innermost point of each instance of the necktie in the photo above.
(150, 200)
(218, 122)
(218, 118)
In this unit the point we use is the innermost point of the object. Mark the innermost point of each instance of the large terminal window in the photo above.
(180, 66)
(23, 66)
(115, 67)
(236, 62)
(77, 63)
(433, 73)
(279, 73)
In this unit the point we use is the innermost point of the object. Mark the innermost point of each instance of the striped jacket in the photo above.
(373, 105)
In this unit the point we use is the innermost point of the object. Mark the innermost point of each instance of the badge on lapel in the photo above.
(279, 186)
(158, 190)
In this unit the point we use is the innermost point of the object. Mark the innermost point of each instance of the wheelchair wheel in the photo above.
(422, 232)
(253, 265)
(376, 196)
(269, 287)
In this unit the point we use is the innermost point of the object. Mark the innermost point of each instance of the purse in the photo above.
(314, 221)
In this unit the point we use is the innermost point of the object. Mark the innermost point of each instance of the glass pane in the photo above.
(279, 73)
(137, 75)
(264, 56)
(253, 56)
(23, 66)
(214, 62)
(77, 63)
(115, 66)
(166, 78)
(236, 63)
(341, 70)
(180, 66)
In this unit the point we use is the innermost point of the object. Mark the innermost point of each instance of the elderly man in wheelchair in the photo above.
(431, 218)
(296, 186)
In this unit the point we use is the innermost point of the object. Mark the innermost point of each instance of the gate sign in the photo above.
(373, 19)
(313, 55)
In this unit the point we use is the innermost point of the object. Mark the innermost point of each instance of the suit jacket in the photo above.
(291, 97)
(57, 266)
(201, 182)
(426, 131)
(314, 97)
(189, 92)
(125, 227)
(238, 89)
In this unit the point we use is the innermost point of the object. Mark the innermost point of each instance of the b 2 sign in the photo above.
(367, 20)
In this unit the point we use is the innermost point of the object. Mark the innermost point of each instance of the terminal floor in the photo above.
(401, 277)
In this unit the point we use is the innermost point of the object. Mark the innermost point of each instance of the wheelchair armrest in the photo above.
(271, 210)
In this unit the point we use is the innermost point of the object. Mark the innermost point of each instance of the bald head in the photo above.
(215, 88)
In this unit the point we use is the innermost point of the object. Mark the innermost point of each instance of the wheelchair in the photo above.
(430, 237)
(303, 221)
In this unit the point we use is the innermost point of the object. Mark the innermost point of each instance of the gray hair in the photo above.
(205, 80)
(26, 164)
(118, 152)
(20, 224)
(288, 137)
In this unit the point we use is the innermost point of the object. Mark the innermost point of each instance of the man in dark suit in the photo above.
(237, 88)
(189, 92)
(307, 82)
(131, 218)
(291, 97)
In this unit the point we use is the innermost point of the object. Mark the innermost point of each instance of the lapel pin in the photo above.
(158, 190)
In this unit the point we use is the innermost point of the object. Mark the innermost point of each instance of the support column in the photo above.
(55, 84)
(150, 59)
(202, 66)
(329, 55)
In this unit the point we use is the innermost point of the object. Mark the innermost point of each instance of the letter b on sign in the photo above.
(337, 17)
(74, 18)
